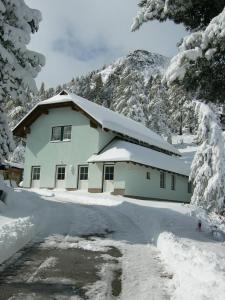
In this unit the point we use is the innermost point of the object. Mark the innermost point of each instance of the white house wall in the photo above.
(132, 178)
(40, 151)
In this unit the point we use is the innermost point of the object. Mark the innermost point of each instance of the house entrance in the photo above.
(83, 178)
(60, 177)
(35, 177)
(108, 182)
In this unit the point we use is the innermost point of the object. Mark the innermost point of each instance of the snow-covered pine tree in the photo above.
(19, 66)
(6, 142)
(18, 154)
(193, 14)
(158, 108)
(130, 102)
(208, 167)
(199, 68)
(200, 63)
(181, 110)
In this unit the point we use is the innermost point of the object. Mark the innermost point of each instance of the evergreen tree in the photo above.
(41, 91)
(181, 110)
(18, 154)
(158, 109)
(58, 89)
(193, 14)
(208, 167)
(200, 65)
(130, 101)
(95, 93)
(199, 69)
(19, 66)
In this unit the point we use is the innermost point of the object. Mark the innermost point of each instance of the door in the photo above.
(60, 177)
(108, 182)
(83, 178)
(35, 177)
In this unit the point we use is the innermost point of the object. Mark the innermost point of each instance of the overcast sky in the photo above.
(78, 36)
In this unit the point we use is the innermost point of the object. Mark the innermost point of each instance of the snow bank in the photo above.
(15, 235)
(198, 274)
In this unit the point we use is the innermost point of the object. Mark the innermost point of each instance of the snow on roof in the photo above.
(120, 150)
(115, 121)
(111, 120)
(12, 164)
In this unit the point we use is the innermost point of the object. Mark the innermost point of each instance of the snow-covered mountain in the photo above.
(140, 61)
(123, 86)
(131, 85)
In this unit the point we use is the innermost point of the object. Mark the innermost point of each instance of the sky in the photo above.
(78, 36)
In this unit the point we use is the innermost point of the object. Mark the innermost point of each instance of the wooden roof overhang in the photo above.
(23, 128)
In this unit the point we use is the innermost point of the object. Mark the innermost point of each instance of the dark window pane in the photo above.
(148, 175)
(162, 180)
(56, 133)
(61, 173)
(173, 182)
(189, 187)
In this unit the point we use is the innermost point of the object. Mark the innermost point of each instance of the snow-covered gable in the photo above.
(120, 150)
(111, 120)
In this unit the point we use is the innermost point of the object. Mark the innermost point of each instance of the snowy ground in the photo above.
(162, 255)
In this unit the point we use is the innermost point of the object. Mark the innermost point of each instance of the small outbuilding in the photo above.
(11, 171)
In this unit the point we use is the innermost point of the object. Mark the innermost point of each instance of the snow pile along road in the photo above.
(14, 235)
(198, 273)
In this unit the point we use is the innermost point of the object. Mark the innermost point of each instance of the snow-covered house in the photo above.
(73, 143)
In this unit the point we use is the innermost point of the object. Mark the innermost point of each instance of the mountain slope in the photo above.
(123, 86)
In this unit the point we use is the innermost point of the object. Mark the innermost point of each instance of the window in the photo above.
(173, 182)
(84, 173)
(189, 187)
(36, 173)
(56, 133)
(61, 133)
(66, 132)
(162, 180)
(148, 175)
(61, 172)
(109, 172)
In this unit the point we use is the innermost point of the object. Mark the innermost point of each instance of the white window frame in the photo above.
(83, 172)
(61, 173)
(33, 168)
(110, 174)
(62, 131)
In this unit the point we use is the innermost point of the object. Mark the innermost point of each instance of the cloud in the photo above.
(71, 45)
(78, 36)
